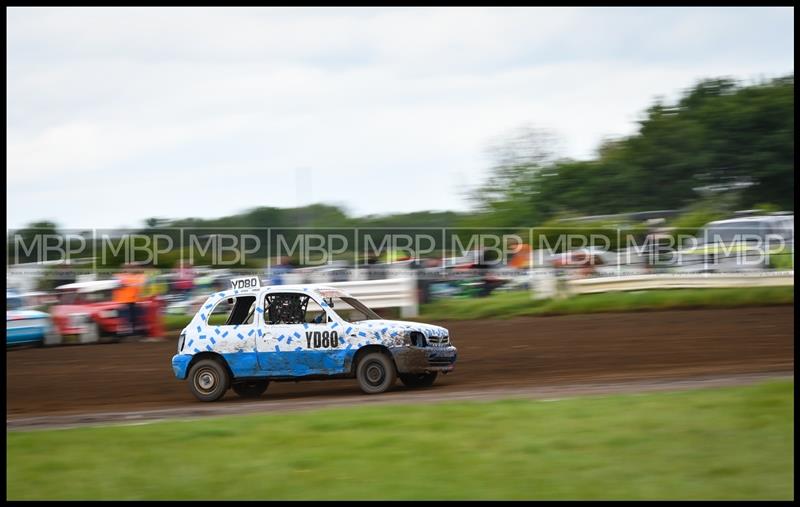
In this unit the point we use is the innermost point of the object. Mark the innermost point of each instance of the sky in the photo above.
(115, 115)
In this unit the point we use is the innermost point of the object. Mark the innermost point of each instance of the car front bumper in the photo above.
(425, 359)
(180, 365)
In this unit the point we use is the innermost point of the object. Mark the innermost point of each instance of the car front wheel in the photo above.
(208, 380)
(376, 373)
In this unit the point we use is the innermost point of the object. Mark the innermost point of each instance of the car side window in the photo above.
(315, 314)
(233, 311)
(243, 311)
(285, 308)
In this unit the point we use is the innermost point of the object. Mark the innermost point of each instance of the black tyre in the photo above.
(250, 388)
(109, 338)
(376, 373)
(208, 380)
(419, 379)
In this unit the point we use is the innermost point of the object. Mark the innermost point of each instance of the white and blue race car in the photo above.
(245, 337)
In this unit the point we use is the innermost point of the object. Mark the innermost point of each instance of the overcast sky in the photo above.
(116, 115)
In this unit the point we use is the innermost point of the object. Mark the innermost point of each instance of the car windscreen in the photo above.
(97, 296)
(352, 310)
(68, 297)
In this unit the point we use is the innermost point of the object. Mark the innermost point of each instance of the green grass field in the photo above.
(724, 443)
(513, 304)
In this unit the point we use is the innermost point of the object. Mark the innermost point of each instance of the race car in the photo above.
(25, 325)
(87, 310)
(302, 332)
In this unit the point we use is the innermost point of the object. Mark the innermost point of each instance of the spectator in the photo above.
(154, 289)
(127, 295)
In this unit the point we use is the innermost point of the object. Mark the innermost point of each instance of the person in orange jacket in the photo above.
(127, 295)
(153, 316)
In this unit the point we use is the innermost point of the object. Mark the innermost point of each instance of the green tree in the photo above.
(720, 137)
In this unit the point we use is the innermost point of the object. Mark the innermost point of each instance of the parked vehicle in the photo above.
(38, 300)
(301, 332)
(736, 244)
(87, 310)
(27, 326)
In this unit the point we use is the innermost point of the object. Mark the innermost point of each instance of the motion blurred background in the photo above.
(597, 197)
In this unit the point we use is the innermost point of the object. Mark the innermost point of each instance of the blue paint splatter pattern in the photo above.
(251, 337)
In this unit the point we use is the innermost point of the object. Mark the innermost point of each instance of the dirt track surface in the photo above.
(494, 356)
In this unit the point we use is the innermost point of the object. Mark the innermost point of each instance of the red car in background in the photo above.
(87, 310)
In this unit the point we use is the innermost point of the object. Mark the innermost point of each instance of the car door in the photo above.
(299, 337)
(228, 326)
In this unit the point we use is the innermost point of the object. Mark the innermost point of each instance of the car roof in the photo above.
(90, 286)
(320, 290)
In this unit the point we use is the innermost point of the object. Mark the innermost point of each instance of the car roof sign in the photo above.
(246, 282)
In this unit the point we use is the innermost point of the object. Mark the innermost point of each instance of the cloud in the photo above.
(391, 109)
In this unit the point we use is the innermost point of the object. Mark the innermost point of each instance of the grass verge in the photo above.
(724, 443)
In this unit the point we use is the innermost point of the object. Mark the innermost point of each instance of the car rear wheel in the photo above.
(419, 379)
(208, 380)
(250, 388)
(376, 373)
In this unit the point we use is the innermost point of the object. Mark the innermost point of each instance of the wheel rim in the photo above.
(205, 380)
(374, 373)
